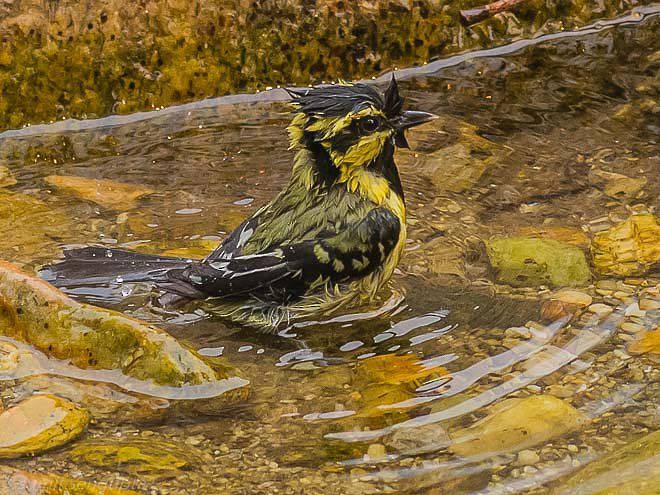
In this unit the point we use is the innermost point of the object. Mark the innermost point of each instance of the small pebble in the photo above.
(527, 458)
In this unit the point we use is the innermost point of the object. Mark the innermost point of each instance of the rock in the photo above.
(395, 369)
(516, 424)
(6, 177)
(552, 310)
(33, 311)
(107, 193)
(575, 297)
(629, 248)
(440, 258)
(630, 470)
(625, 187)
(649, 304)
(617, 186)
(527, 458)
(523, 261)
(320, 40)
(630, 327)
(17, 482)
(147, 457)
(649, 342)
(40, 423)
(600, 309)
(424, 438)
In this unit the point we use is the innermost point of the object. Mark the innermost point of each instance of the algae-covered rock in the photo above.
(633, 469)
(629, 248)
(523, 261)
(33, 311)
(17, 482)
(150, 457)
(517, 424)
(107, 193)
(40, 423)
(70, 58)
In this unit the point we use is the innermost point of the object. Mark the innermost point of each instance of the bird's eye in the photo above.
(369, 124)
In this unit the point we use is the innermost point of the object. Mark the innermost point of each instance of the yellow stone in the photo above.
(630, 248)
(40, 423)
(649, 342)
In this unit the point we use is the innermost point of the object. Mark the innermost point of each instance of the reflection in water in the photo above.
(340, 393)
(40, 364)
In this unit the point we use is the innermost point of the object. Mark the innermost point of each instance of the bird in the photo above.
(330, 239)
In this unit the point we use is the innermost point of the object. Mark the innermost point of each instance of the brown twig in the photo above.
(470, 16)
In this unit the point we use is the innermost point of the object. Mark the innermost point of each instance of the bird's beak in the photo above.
(406, 120)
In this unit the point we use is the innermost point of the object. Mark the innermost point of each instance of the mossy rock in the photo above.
(90, 59)
(34, 312)
(144, 456)
(38, 424)
(530, 262)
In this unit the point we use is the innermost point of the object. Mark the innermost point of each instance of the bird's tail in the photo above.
(100, 270)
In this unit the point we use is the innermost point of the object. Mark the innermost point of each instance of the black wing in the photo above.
(289, 271)
(236, 240)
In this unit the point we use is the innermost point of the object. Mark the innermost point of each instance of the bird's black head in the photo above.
(353, 123)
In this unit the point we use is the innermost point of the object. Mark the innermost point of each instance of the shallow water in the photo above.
(329, 397)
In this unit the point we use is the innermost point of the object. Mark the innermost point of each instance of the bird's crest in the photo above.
(339, 100)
